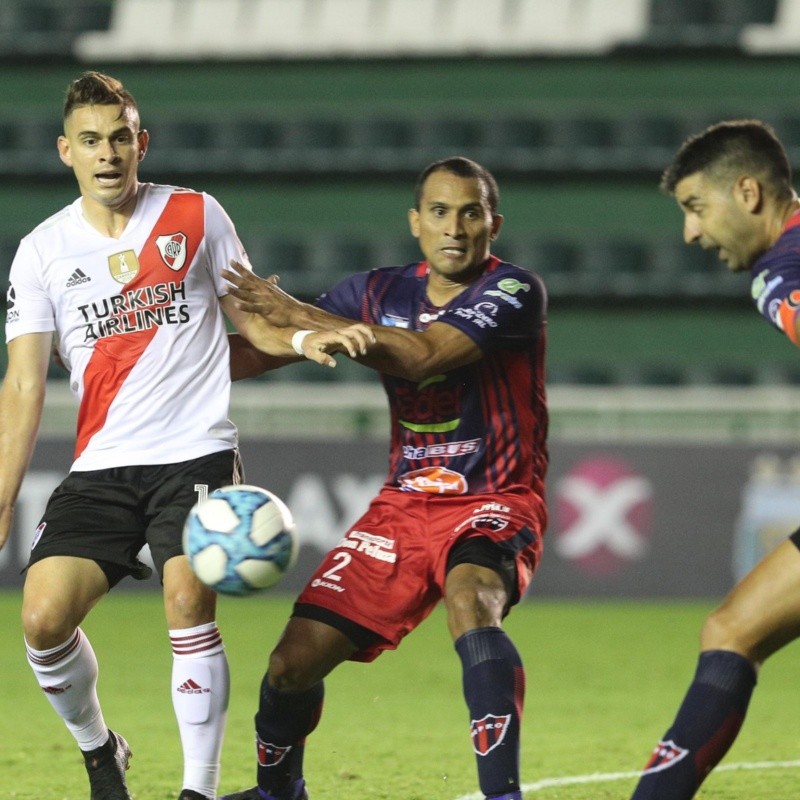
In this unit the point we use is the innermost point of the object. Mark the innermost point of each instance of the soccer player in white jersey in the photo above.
(126, 282)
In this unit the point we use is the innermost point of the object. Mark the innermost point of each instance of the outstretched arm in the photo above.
(281, 346)
(247, 361)
(396, 351)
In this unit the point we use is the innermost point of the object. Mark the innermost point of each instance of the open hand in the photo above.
(261, 296)
(354, 340)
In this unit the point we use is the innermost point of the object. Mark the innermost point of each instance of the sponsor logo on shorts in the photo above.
(270, 754)
(318, 583)
(664, 756)
(488, 732)
(433, 480)
(488, 517)
(370, 544)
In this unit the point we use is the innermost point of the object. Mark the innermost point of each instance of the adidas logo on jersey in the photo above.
(77, 277)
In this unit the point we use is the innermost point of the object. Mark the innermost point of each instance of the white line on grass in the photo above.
(604, 777)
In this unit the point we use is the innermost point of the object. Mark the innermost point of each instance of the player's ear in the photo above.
(749, 192)
(413, 222)
(62, 143)
(497, 223)
(143, 138)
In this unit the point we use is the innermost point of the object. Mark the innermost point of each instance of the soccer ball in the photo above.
(240, 539)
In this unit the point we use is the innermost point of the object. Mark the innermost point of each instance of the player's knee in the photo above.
(288, 672)
(46, 624)
(474, 606)
(721, 630)
(189, 605)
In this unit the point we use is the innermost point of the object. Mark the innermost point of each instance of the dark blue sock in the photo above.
(283, 721)
(494, 688)
(707, 724)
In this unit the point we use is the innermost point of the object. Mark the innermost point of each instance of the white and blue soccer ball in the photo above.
(240, 539)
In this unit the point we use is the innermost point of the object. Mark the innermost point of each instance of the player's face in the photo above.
(454, 225)
(103, 145)
(717, 217)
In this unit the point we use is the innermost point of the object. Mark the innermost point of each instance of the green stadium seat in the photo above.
(657, 374)
(34, 147)
(395, 251)
(730, 374)
(516, 143)
(647, 141)
(255, 145)
(621, 267)
(287, 256)
(380, 144)
(742, 12)
(584, 374)
(185, 145)
(313, 144)
(441, 138)
(692, 271)
(335, 257)
(557, 261)
(48, 27)
(581, 142)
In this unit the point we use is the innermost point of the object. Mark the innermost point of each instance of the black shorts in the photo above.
(108, 515)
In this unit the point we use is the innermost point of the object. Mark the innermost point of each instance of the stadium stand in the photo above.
(332, 101)
(236, 29)
(48, 27)
(566, 145)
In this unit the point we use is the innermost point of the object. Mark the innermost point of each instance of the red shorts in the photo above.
(388, 572)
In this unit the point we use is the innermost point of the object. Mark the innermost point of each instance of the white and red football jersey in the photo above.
(138, 324)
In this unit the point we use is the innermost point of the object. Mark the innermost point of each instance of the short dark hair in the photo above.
(727, 149)
(464, 168)
(95, 88)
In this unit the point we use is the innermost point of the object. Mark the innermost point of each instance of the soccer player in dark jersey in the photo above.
(734, 184)
(460, 346)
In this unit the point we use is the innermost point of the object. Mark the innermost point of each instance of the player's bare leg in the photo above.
(59, 592)
(493, 675)
(290, 706)
(762, 612)
(758, 617)
(200, 677)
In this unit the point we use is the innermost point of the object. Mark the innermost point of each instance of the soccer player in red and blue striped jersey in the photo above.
(459, 341)
(733, 182)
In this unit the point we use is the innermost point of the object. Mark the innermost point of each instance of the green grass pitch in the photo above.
(604, 680)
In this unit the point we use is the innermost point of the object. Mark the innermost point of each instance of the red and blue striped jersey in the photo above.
(775, 284)
(479, 428)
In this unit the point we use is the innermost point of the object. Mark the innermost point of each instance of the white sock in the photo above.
(200, 691)
(67, 675)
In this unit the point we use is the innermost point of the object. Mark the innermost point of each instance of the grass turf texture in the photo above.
(604, 680)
